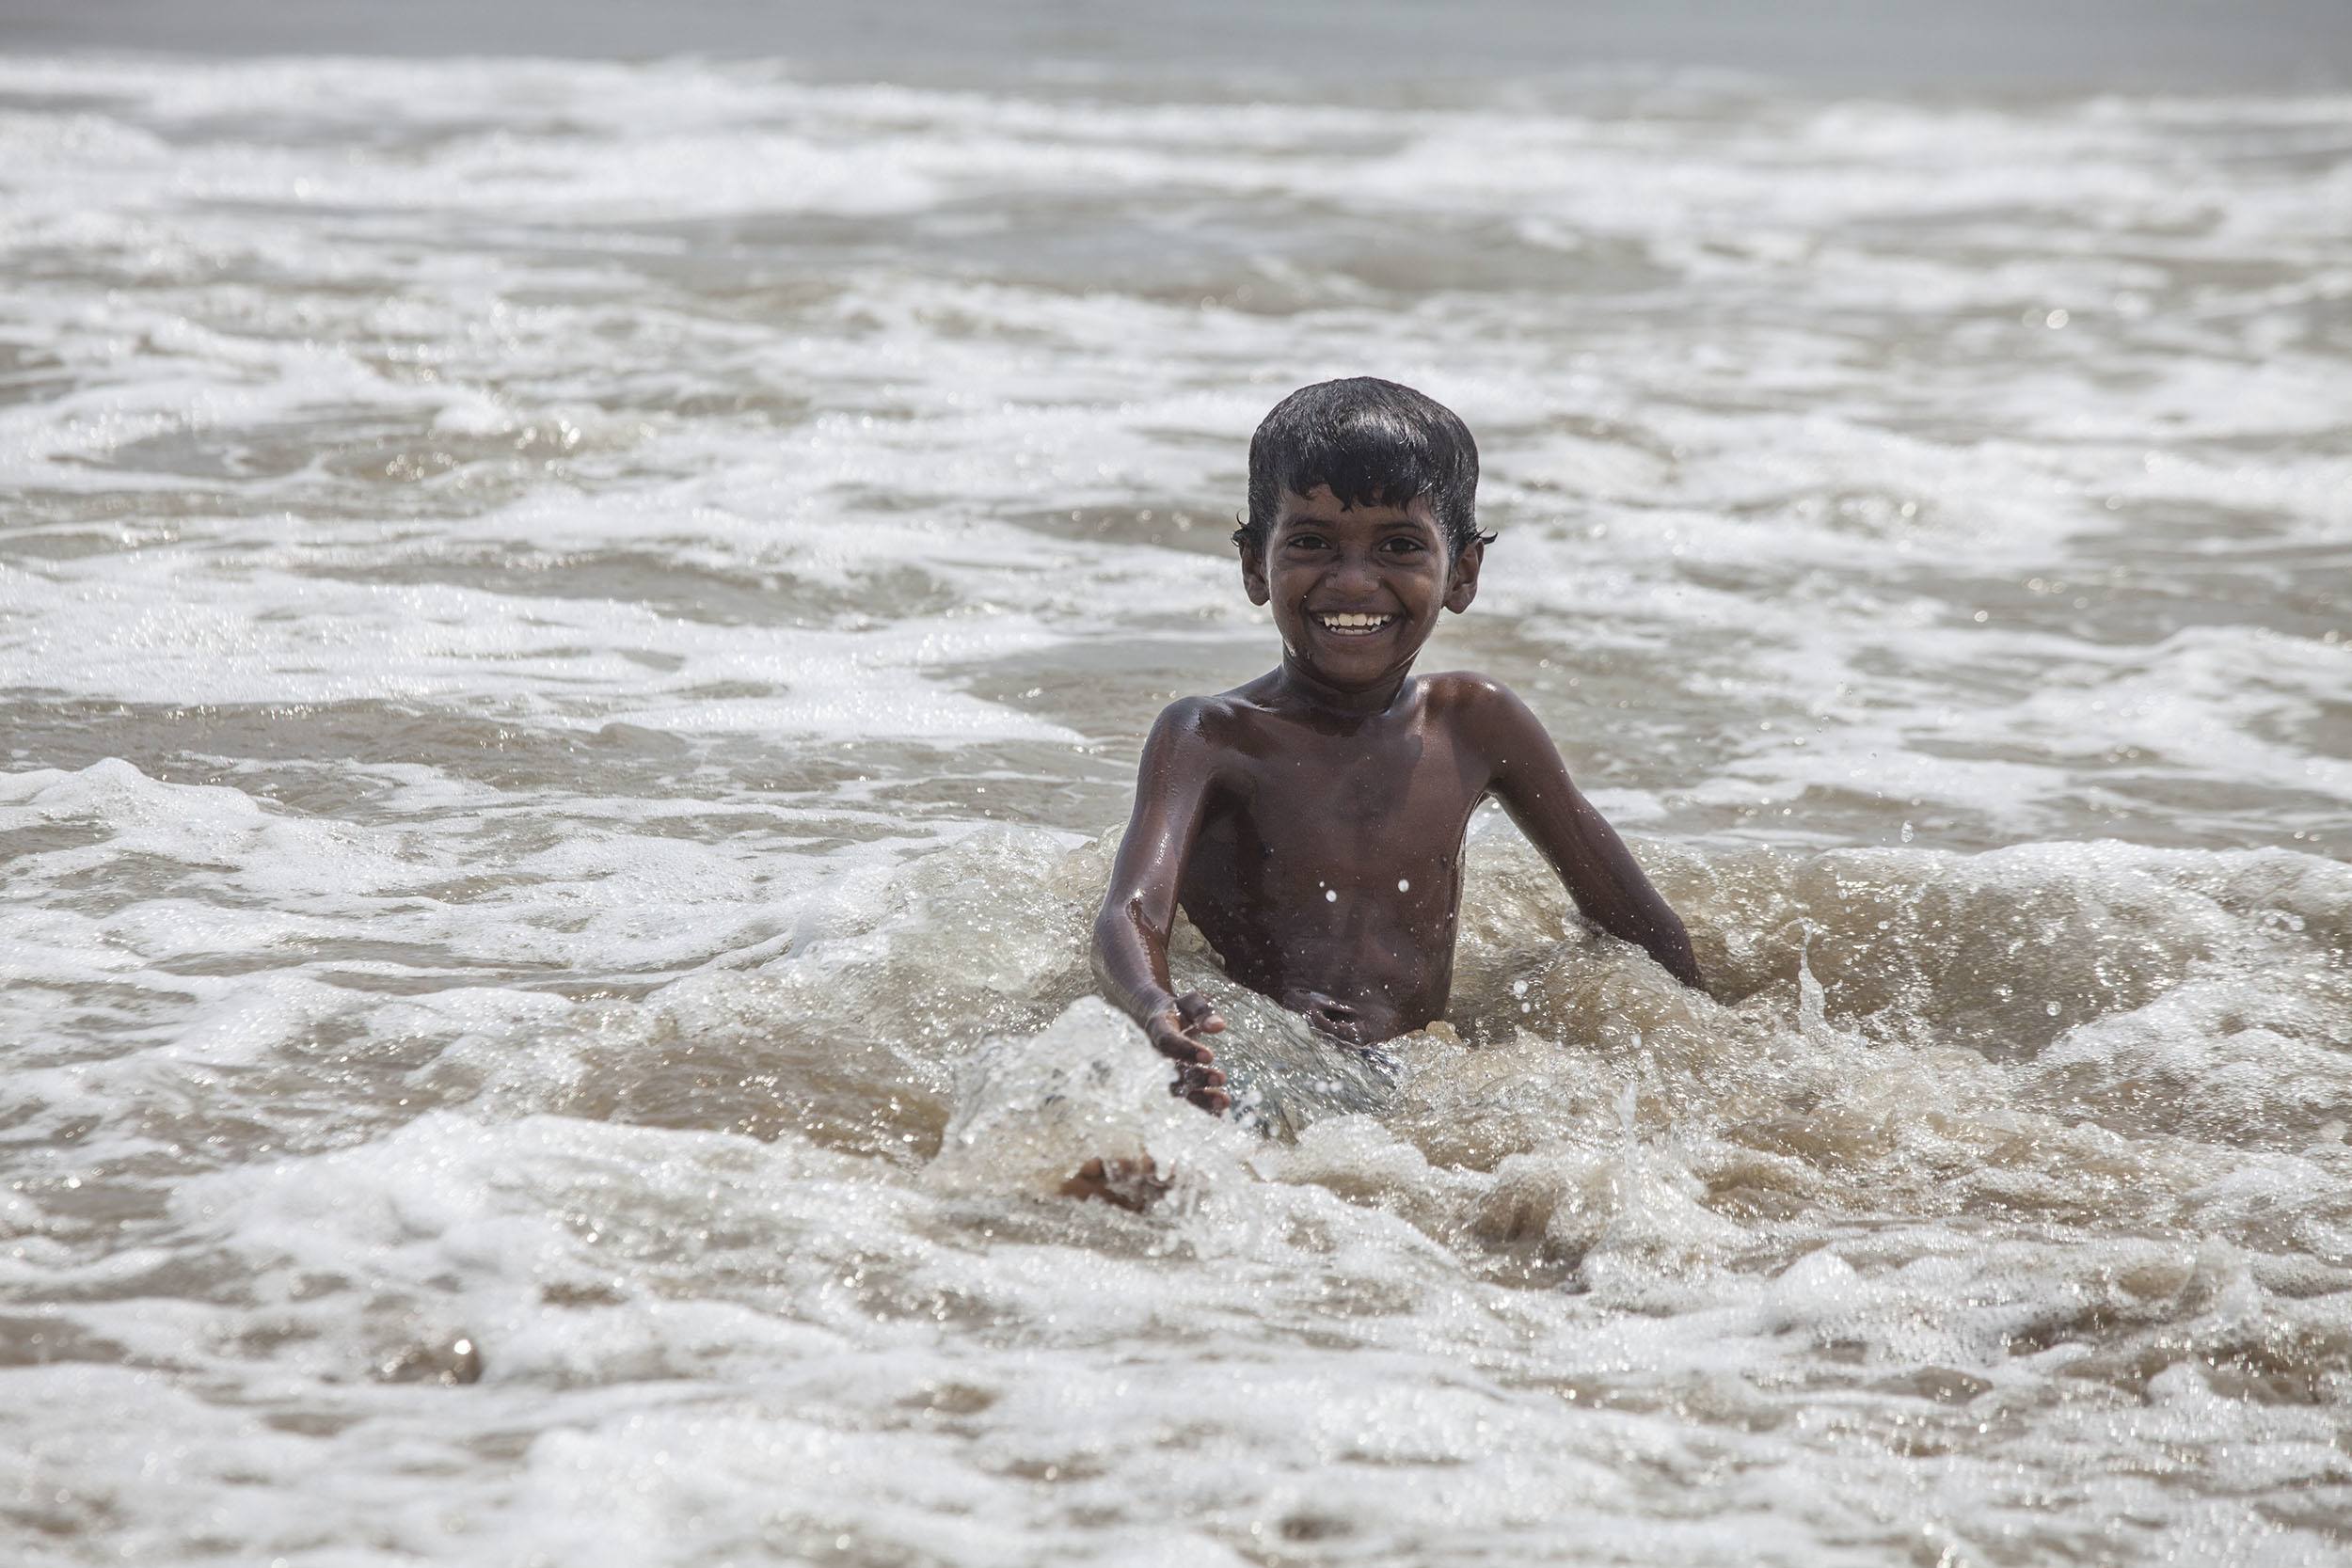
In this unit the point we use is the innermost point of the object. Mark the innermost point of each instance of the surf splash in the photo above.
(572, 632)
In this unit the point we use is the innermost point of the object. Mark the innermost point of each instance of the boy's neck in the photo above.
(1323, 697)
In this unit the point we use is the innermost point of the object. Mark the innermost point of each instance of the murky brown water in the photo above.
(572, 634)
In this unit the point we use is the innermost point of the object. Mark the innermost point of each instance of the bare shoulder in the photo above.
(1207, 720)
(1199, 732)
(1478, 706)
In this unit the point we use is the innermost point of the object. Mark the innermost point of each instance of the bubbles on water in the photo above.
(453, 1362)
(1871, 1163)
(381, 1038)
(1031, 1111)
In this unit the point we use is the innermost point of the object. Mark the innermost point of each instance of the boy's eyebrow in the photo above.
(1297, 519)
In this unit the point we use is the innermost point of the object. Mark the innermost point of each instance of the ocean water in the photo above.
(574, 639)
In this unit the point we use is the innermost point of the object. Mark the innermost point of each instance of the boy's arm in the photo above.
(1600, 873)
(1140, 910)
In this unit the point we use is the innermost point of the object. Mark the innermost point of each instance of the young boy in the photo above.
(1311, 822)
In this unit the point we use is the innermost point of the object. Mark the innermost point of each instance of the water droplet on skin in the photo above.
(1330, 896)
(1404, 884)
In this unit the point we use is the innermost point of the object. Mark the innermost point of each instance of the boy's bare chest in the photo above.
(1330, 871)
(1326, 805)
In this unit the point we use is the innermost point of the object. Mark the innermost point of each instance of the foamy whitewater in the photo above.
(575, 638)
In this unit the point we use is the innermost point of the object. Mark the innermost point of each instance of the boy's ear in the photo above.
(1253, 581)
(1462, 584)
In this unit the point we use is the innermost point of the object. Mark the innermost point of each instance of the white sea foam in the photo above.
(575, 635)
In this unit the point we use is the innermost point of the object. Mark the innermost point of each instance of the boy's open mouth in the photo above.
(1353, 625)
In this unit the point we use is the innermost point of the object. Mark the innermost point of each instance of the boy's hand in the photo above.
(1331, 1016)
(1171, 1031)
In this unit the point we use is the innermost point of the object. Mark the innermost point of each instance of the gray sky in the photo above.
(1845, 44)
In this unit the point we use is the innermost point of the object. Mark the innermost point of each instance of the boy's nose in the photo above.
(1353, 574)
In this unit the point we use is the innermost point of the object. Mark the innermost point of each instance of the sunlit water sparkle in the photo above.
(574, 633)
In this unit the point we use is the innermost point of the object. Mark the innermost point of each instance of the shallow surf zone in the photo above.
(569, 633)
(1995, 1209)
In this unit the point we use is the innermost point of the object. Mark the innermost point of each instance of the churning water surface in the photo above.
(575, 635)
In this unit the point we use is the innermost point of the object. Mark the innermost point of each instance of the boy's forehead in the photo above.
(1321, 505)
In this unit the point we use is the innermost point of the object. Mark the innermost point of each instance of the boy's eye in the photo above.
(1305, 540)
(1402, 546)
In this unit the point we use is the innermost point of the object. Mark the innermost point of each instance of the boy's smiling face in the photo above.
(1355, 590)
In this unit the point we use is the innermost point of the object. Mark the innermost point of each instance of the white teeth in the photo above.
(1355, 622)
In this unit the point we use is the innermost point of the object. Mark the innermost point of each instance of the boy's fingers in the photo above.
(1194, 1010)
(1177, 1048)
(1336, 1019)
(1207, 1095)
(1203, 1085)
(1196, 1014)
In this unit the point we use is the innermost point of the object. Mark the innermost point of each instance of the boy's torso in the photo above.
(1326, 871)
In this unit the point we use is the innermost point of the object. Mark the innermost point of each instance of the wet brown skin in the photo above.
(1311, 822)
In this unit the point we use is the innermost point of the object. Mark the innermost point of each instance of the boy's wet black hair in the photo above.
(1375, 444)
